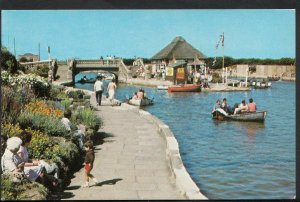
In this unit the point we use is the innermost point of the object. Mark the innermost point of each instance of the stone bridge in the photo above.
(114, 66)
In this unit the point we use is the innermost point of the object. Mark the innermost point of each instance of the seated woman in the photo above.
(33, 164)
(11, 163)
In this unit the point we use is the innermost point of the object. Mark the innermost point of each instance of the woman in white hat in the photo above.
(11, 162)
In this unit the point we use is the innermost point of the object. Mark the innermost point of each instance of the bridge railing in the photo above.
(101, 62)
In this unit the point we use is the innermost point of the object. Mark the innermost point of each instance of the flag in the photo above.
(48, 49)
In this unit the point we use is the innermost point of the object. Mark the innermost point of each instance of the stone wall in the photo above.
(272, 70)
(264, 71)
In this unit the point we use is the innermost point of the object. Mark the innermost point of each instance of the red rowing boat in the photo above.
(184, 88)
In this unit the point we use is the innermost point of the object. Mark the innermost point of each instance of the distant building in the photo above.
(179, 49)
(29, 56)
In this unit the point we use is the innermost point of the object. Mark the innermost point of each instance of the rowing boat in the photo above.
(221, 115)
(141, 102)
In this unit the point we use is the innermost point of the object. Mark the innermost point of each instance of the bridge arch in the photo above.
(114, 66)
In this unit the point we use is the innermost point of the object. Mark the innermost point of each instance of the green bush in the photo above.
(62, 95)
(40, 70)
(51, 125)
(216, 78)
(39, 143)
(54, 91)
(13, 100)
(10, 130)
(24, 190)
(66, 103)
(88, 117)
(76, 94)
(39, 85)
(8, 61)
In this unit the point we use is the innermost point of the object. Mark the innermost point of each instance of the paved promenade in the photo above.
(130, 164)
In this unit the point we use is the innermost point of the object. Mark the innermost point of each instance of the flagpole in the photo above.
(223, 56)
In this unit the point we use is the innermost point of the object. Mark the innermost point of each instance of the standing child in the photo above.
(88, 163)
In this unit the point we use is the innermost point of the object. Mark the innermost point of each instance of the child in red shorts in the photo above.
(88, 163)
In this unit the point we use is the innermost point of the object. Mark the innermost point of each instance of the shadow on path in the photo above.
(108, 182)
(66, 195)
(72, 187)
(99, 137)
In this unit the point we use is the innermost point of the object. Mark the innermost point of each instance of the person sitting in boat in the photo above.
(251, 106)
(135, 97)
(225, 106)
(140, 94)
(243, 107)
(235, 106)
(217, 105)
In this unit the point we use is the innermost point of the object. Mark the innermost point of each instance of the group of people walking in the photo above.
(237, 108)
(99, 88)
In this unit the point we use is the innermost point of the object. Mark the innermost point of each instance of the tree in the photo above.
(23, 59)
(8, 61)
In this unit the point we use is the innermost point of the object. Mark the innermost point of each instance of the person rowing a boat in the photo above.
(251, 106)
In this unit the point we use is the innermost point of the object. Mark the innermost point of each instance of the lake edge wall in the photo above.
(263, 71)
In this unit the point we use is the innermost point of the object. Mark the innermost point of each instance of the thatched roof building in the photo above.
(179, 49)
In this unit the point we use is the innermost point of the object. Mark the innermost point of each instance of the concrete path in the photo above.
(130, 164)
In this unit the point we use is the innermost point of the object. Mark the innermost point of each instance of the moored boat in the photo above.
(184, 88)
(84, 80)
(274, 78)
(262, 84)
(221, 115)
(162, 87)
(141, 102)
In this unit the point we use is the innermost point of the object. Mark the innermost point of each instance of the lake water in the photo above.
(231, 160)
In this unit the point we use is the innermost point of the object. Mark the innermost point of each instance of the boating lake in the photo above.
(231, 160)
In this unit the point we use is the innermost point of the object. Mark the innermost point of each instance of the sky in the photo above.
(90, 34)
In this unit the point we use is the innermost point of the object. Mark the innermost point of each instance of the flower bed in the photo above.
(42, 118)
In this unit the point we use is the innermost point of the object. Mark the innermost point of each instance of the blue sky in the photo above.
(89, 34)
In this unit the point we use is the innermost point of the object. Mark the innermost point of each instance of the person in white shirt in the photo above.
(77, 133)
(98, 89)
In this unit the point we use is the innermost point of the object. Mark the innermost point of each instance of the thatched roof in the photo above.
(180, 49)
